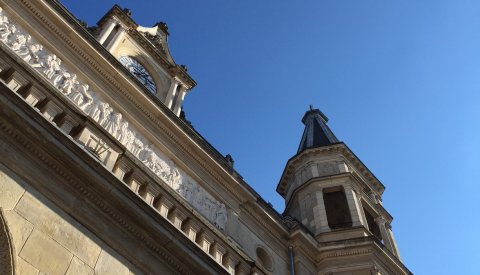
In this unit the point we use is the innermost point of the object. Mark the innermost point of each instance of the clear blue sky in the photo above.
(399, 80)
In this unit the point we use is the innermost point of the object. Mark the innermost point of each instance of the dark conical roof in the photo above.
(316, 133)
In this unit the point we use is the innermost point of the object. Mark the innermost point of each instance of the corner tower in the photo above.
(332, 193)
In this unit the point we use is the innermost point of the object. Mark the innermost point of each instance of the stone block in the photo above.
(77, 267)
(99, 145)
(24, 268)
(110, 263)
(60, 227)
(46, 254)
(10, 191)
(20, 229)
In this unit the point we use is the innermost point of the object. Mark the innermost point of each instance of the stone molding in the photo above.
(209, 152)
(341, 148)
(93, 197)
(92, 104)
(7, 251)
(138, 168)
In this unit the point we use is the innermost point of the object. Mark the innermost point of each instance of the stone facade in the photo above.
(99, 174)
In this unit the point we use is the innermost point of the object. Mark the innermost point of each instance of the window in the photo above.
(372, 225)
(336, 206)
(264, 258)
(139, 72)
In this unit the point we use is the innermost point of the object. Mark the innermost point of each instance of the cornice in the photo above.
(173, 138)
(341, 148)
(359, 246)
(98, 201)
(36, 151)
(313, 180)
(198, 150)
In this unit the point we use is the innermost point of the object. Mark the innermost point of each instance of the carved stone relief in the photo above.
(7, 264)
(79, 92)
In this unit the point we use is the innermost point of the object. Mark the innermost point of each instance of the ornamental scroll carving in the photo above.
(7, 264)
(92, 104)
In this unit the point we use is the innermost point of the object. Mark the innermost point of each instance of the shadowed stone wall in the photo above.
(47, 240)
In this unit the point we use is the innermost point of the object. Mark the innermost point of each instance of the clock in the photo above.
(139, 72)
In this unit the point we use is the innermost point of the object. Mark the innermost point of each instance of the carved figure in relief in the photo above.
(161, 168)
(148, 157)
(87, 99)
(33, 57)
(137, 146)
(94, 109)
(113, 123)
(60, 77)
(123, 132)
(127, 137)
(77, 94)
(3, 20)
(105, 111)
(6, 32)
(174, 178)
(18, 43)
(51, 64)
(68, 84)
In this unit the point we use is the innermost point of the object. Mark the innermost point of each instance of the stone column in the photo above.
(107, 29)
(116, 39)
(362, 213)
(392, 240)
(387, 241)
(179, 100)
(171, 93)
(353, 205)
(322, 213)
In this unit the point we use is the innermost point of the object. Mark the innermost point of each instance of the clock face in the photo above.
(139, 72)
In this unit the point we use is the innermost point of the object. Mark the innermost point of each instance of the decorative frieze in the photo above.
(93, 105)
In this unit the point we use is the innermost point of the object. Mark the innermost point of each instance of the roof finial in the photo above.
(311, 107)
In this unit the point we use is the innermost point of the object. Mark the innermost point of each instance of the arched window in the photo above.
(7, 260)
(264, 258)
(139, 72)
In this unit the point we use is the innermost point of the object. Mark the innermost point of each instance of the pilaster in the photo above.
(179, 100)
(107, 30)
(322, 214)
(116, 39)
(171, 93)
(353, 205)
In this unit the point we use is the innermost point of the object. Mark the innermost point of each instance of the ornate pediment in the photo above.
(157, 36)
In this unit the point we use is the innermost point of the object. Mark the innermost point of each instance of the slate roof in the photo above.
(316, 133)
